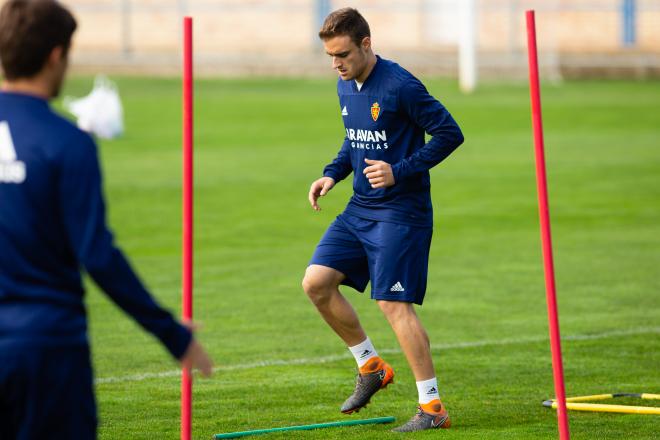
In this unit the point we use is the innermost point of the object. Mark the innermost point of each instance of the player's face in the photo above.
(58, 79)
(349, 60)
(55, 68)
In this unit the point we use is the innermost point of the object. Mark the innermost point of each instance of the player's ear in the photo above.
(366, 43)
(56, 56)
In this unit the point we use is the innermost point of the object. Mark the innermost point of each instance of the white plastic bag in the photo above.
(100, 112)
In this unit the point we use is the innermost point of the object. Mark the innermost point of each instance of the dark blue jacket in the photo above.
(52, 225)
(386, 120)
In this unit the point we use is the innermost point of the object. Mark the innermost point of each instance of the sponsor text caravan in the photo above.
(367, 139)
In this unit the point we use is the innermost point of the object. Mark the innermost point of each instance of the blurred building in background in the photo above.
(603, 38)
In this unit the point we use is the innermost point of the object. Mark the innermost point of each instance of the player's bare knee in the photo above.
(320, 284)
(316, 288)
(396, 310)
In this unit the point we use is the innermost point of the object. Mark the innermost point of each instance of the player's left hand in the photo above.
(379, 173)
(195, 356)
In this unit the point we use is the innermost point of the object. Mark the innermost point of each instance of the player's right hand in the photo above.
(319, 188)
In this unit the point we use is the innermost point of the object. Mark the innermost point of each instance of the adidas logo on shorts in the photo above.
(397, 287)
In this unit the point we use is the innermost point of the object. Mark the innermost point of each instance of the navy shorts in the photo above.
(47, 392)
(392, 256)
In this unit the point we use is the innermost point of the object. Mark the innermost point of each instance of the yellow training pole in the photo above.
(596, 407)
(588, 398)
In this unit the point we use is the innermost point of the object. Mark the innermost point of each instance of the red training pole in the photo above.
(544, 215)
(187, 240)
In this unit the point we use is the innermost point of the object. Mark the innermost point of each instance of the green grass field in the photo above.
(260, 143)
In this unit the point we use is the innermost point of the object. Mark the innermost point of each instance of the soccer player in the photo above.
(52, 224)
(384, 234)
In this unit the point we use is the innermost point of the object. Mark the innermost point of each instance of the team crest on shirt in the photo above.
(375, 111)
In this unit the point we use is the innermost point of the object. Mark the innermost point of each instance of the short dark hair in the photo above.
(29, 31)
(345, 21)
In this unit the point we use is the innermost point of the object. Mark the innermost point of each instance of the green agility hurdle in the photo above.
(307, 427)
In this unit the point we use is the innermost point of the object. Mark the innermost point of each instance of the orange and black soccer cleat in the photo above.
(431, 415)
(373, 376)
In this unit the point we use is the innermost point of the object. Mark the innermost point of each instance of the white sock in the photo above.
(428, 390)
(363, 352)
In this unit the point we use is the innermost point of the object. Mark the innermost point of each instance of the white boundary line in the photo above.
(334, 358)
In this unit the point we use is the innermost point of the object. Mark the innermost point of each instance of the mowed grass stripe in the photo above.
(334, 358)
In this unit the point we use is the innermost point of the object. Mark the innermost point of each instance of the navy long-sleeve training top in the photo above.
(386, 119)
(52, 225)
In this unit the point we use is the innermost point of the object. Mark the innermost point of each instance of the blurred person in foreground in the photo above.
(52, 225)
(384, 234)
